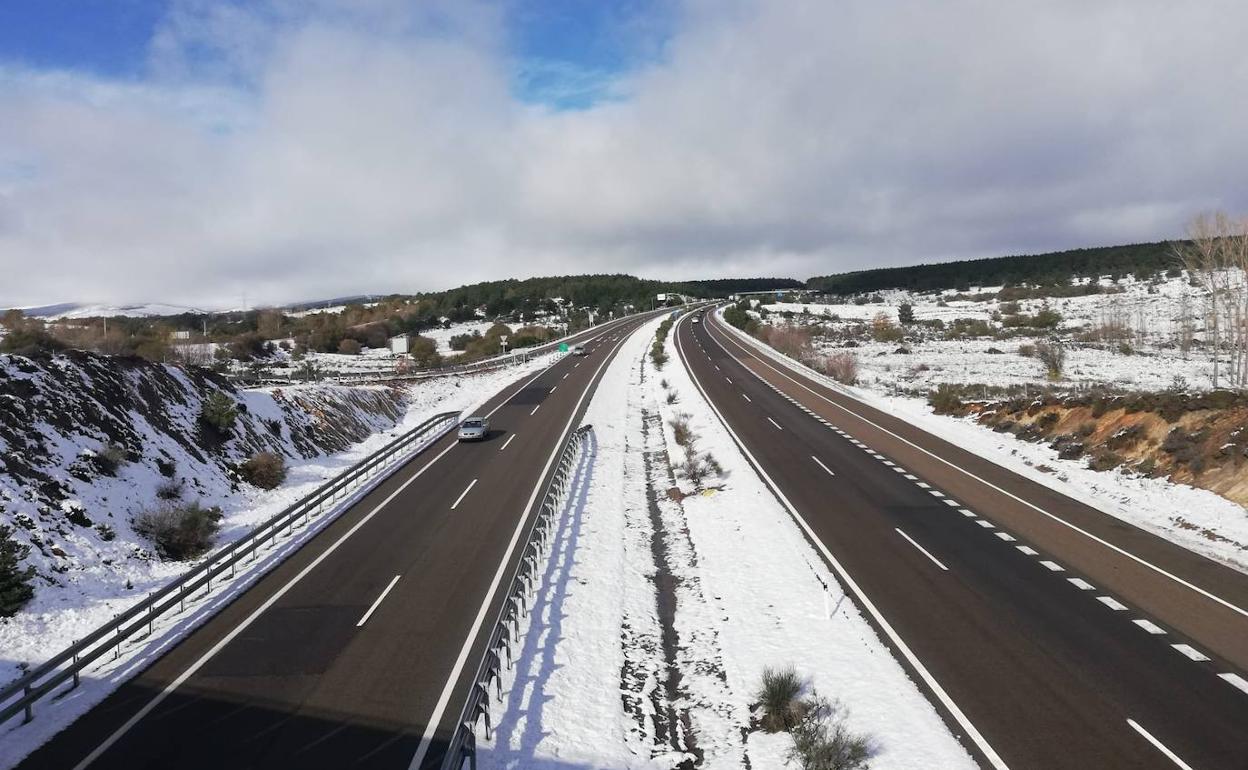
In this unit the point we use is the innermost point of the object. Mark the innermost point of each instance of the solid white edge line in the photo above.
(440, 708)
(990, 485)
(463, 494)
(199, 663)
(972, 732)
(377, 603)
(1170, 755)
(821, 465)
(508, 441)
(922, 550)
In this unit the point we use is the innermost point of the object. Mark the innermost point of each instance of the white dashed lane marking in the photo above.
(984, 524)
(1149, 626)
(1190, 652)
(1170, 755)
(1235, 680)
(821, 465)
(1028, 550)
(1053, 566)
(1111, 603)
(1080, 583)
(773, 422)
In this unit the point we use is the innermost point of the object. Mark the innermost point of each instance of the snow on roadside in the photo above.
(1194, 518)
(54, 620)
(571, 700)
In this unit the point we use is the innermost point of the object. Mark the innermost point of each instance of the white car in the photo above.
(474, 429)
(695, 320)
(578, 349)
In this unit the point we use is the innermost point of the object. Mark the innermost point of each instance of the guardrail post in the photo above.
(77, 679)
(30, 706)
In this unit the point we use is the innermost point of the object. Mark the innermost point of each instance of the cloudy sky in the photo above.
(202, 151)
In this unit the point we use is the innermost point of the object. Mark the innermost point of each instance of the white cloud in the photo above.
(321, 151)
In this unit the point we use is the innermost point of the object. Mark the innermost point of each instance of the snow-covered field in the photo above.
(1195, 518)
(90, 595)
(589, 688)
(1152, 316)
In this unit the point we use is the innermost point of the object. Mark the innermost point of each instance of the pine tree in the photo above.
(15, 581)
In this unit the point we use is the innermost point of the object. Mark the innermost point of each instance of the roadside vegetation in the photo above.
(180, 531)
(822, 740)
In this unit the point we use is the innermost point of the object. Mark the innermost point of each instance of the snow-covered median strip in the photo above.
(653, 623)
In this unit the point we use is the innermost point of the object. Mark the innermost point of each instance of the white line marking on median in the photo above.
(508, 441)
(1170, 755)
(990, 754)
(377, 603)
(1191, 652)
(1235, 680)
(1111, 603)
(922, 550)
(460, 499)
(989, 484)
(821, 465)
(1149, 626)
(773, 422)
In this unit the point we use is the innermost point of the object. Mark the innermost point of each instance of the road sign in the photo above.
(563, 347)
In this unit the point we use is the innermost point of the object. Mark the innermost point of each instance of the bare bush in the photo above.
(169, 489)
(264, 469)
(698, 467)
(180, 532)
(672, 398)
(822, 740)
(842, 367)
(110, 458)
(1053, 356)
(883, 329)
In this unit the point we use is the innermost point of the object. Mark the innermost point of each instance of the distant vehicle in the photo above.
(578, 350)
(474, 429)
(695, 320)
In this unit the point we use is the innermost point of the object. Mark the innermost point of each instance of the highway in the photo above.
(1049, 634)
(357, 651)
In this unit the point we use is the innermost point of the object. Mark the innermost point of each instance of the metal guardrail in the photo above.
(20, 696)
(463, 744)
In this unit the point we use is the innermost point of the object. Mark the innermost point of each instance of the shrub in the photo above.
(167, 467)
(1125, 348)
(884, 330)
(16, 581)
(682, 434)
(110, 459)
(905, 313)
(672, 398)
(106, 532)
(698, 467)
(657, 354)
(1104, 461)
(945, 399)
(219, 412)
(169, 489)
(180, 532)
(822, 741)
(737, 315)
(1027, 350)
(779, 697)
(842, 367)
(461, 341)
(1053, 356)
(265, 470)
(350, 347)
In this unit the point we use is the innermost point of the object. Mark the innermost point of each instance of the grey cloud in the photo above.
(348, 152)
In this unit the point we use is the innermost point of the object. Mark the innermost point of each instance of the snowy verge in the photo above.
(1197, 519)
(53, 622)
(573, 698)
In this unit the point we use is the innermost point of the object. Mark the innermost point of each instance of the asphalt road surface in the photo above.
(1051, 635)
(358, 650)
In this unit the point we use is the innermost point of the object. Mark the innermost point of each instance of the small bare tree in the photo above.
(1216, 257)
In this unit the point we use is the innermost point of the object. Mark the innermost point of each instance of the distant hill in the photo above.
(1056, 267)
